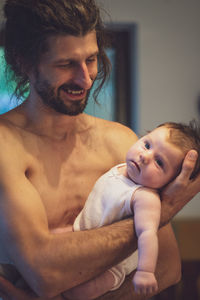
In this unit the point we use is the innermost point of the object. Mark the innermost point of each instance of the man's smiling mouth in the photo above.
(73, 92)
(72, 89)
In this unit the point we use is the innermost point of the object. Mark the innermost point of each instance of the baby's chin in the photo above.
(153, 185)
(145, 183)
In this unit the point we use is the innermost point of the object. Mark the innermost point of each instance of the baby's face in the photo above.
(152, 161)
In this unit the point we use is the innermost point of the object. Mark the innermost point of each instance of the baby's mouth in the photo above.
(137, 166)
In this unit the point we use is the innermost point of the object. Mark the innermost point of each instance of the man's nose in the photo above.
(82, 77)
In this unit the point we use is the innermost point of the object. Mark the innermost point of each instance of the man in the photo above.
(52, 154)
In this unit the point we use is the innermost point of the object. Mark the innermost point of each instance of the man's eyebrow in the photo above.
(62, 60)
(94, 54)
(69, 59)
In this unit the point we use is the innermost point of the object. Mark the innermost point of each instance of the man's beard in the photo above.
(53, 100)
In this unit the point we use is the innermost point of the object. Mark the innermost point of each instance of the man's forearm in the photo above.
(70, 259)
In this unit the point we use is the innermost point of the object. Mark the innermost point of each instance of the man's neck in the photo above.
(44, 121)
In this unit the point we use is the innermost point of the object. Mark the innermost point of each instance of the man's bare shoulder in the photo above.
(112, 129)
(11, 142)
(13, 123)
(117, 137)
(9, 124)
(7, 130)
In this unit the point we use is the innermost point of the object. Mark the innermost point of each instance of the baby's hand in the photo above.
(145, 283)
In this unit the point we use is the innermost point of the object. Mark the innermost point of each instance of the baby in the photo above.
(132, 189)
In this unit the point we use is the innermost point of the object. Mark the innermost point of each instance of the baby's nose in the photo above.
(145, 157)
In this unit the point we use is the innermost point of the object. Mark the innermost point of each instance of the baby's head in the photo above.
(156, 158)
(185, 137)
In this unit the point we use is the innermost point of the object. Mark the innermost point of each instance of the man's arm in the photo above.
(53, 263)
(168, 272)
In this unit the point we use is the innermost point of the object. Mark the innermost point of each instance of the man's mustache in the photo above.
(73, 87)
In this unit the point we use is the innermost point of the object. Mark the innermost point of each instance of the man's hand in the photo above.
(179, 192)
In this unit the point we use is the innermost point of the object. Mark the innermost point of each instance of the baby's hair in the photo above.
(185, 137)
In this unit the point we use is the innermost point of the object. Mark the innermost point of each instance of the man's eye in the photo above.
(63, 66)
(91, 60)
(147, 145)
(66, 65)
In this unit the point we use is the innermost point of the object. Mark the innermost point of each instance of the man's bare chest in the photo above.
(65, 183)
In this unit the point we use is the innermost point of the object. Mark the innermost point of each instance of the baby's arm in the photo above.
(146, 205)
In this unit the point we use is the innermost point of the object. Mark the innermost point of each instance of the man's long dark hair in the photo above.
(29, 23)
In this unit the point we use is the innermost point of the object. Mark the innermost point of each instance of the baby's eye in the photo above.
(159, 162)
(147, 145)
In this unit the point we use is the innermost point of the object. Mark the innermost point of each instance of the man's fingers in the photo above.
(188, 165)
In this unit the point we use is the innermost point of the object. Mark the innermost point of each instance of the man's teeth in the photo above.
(75, 92)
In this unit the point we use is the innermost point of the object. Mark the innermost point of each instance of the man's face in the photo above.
(66, 73)
(152, 161)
